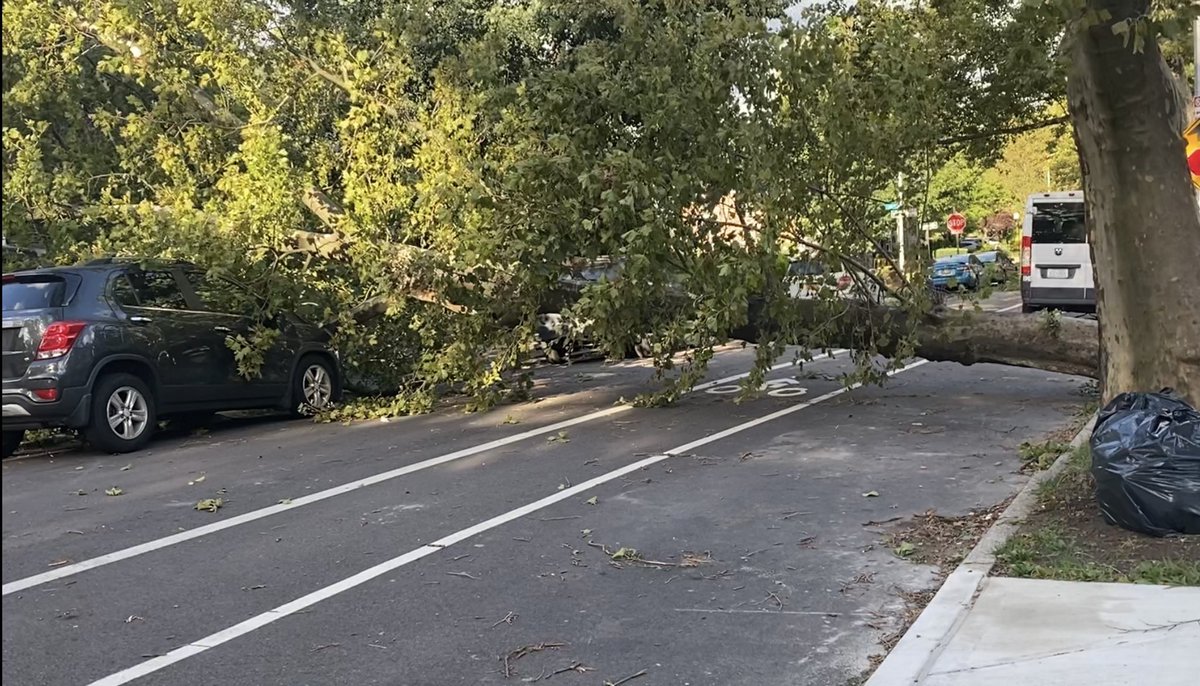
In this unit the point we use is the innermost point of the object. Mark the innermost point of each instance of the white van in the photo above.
(1056, 260)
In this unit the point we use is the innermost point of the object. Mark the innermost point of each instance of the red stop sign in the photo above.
(956, 223)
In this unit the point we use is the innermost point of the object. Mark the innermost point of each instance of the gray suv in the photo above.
(110, 347)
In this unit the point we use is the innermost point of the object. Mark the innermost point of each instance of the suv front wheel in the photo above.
(123, 414)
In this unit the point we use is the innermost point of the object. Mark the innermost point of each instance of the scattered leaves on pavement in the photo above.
(511, 420)
(930, 538)
(209, 504)
(127, 467)
(560, 437)
(59, 563)
(871, 494)
(592, 500)
(134, 618)
(114, 491)
(285, 501)
(197, 480)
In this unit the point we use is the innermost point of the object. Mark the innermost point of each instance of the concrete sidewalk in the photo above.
(981, 630)
(1026, 631)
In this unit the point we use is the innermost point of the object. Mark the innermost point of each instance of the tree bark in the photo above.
(1141, 210)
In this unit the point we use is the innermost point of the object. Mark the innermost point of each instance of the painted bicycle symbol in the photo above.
(776, 388)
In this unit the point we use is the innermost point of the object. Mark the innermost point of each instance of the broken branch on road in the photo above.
(521, 652)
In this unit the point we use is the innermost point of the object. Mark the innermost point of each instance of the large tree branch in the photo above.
(1004, 131)
(1056, 344)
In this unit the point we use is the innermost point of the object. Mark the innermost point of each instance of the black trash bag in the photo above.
(1146, 462)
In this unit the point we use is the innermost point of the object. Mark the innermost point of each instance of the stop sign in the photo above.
(956, 223)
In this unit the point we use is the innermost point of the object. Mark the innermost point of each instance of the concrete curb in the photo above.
(911, 659)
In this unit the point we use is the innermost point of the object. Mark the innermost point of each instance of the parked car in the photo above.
(810, 278)
(970, 244)
(112, 346)
(956, 272)
(998, 266)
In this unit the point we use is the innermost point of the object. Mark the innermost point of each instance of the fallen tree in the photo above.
(458, 154)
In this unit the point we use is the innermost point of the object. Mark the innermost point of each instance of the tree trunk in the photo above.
(1065, 345)
(1141, 210)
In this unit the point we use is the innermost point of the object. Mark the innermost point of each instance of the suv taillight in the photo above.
(58, 339)
(1026, 255)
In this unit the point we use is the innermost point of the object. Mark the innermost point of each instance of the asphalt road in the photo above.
(426, 550)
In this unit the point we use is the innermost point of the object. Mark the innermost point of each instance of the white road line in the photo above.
(304, 602)
(254, 515)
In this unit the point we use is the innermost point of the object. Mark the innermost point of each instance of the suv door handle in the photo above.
(138, 319)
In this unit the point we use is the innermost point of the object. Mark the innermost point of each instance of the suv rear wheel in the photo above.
(12, 441)
(316, 386)
(123, 414)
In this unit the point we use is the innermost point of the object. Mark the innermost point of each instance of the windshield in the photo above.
(805, 269)
(36, 293)
(1059, 222)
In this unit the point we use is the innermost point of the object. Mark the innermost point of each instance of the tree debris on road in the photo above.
(521, 652)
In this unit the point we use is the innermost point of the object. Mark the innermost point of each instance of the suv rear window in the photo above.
(1059, 222)
(33, 293)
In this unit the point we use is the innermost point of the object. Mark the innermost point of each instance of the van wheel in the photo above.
(12, 441)
(123, 414)
(316, 387)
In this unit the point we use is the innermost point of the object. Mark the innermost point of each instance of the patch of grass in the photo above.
(1068, 539)
(1052, 553)
(1076, 478)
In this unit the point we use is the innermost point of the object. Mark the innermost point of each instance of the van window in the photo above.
(1059, 222)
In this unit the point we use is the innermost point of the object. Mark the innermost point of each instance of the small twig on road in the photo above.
(521, 652)
(631, 677)
(883, 521)
(464, 574)
(323, 647)
(776, 598)
(558, 519)
(521, 539)
(376, 645)
(507, 619)
(464, 555)
(789, 515)
(573, 667)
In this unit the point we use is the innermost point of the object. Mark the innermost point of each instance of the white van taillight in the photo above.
(1026, 255)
